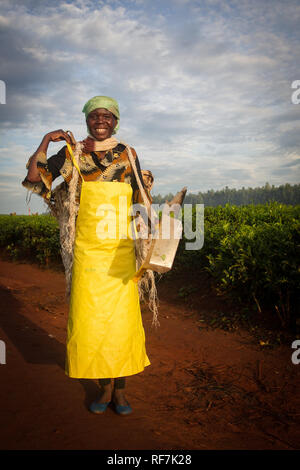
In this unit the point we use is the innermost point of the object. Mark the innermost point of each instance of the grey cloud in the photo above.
(10, 179)
(290, 139)
(290, 115)
(213, 83)
(291, 164)
(284, 174)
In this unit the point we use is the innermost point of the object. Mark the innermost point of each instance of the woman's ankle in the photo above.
(118, 396)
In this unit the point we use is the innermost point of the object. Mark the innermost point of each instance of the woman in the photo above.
(106, 338)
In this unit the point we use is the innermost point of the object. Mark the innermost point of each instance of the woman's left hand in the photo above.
(88, 145)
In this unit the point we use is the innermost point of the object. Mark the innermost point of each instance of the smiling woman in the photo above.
(106, 338)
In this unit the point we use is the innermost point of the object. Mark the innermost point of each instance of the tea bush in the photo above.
(251, 252)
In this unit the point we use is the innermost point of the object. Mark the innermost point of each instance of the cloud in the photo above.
(292, 164)
(204, 88)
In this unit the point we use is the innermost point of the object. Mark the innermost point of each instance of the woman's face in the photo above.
(101, 123)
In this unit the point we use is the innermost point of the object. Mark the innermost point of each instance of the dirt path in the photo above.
(205, 389)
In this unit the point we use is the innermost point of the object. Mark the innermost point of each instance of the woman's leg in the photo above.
(100, 405)
(121, 404)
(118, 392)
(119, 383)
(106, 390)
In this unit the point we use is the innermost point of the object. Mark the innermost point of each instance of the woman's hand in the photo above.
(88, 145)
(57, 136)
(33, 174)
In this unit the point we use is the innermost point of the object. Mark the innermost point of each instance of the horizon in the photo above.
(46, 211)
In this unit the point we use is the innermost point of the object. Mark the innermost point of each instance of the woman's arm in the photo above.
(33, 174)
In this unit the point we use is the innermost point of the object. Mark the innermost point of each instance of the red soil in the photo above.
(204, 389)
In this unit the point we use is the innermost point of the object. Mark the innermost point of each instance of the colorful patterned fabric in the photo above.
(111, 166)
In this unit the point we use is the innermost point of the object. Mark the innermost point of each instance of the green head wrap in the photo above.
(103, 102)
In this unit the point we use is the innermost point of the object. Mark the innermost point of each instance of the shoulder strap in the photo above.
(152, 216)
(74, 159)
(138, 180)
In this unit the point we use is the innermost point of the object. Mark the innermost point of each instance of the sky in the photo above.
(204, 87)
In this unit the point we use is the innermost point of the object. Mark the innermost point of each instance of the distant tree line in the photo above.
(285, 194)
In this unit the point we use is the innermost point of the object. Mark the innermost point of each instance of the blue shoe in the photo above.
(123, 409)
(98, 408)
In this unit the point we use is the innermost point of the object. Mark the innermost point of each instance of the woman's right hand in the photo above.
(33, 174)
(57, 136)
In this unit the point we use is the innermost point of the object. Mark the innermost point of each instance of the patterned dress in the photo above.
(112, 165)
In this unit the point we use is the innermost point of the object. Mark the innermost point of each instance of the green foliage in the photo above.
(251, 253)
(35, 237)
(285, 194)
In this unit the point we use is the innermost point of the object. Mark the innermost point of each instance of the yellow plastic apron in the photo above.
(105, 334)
